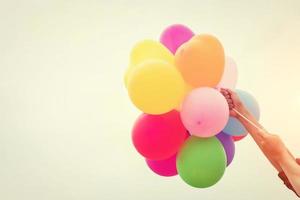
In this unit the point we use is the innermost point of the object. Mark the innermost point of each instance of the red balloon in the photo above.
(158, 137)
(239, 137)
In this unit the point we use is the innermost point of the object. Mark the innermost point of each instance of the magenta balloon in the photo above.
(174, 36)
(158, 137)
(204, 112)
(230, 74)
(165, 167)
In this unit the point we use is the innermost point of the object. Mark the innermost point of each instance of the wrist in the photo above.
(281, 159)
(283, 155)
(242, 110)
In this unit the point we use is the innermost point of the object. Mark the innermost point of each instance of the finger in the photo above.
(230, 91)
(282, 175)
(298, 161)
(224, 91)
(227, 96)
(230, 101)
(290, 187)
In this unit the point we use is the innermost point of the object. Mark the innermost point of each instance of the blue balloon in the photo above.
(234, 127)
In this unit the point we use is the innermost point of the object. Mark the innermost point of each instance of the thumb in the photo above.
(298, 161)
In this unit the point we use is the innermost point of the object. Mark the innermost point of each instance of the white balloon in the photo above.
(229, 78)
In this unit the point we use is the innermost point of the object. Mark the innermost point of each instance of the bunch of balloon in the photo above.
(185, 127)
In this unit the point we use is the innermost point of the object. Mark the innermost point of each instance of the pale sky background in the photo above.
(65, 116)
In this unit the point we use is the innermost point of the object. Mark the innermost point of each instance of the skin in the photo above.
(270, 144)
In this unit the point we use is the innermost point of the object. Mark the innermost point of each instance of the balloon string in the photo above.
(249, 121)
(260, 129)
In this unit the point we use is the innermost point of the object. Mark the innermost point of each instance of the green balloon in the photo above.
(201, 162)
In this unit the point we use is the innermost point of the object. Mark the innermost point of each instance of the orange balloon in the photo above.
(201, 61)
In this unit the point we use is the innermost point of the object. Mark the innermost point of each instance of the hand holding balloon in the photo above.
(243, 119)
(271, 145)
(233, 101)
(241, 103)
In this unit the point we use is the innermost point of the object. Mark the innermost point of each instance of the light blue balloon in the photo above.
(234, 127)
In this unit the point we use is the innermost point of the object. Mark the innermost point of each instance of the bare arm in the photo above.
(292, 171)
(274, 146)
(257, 134)
(271, 145)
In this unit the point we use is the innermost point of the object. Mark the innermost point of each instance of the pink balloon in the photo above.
(158, 137)
(163, 167)
(174, 36)
(205, 112)
(230, 74)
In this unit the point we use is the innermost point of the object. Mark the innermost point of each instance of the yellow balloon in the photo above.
(128, 71)
(187, 89)
(126, 75)
(150, 49)
(147, 50)
(155, 87)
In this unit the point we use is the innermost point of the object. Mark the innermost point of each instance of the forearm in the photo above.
(256, 130)
(282, 160)
(275, 150)
(257, 134)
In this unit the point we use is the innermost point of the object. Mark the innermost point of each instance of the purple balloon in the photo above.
(228, 145)
(174, 36)
(163, 167)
